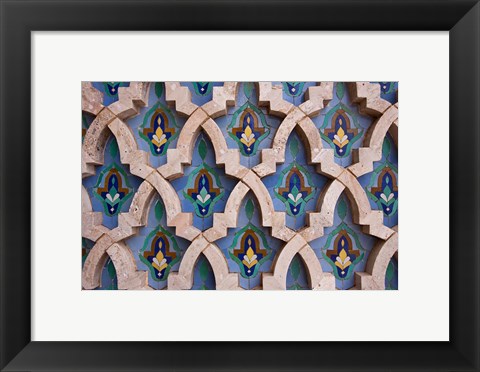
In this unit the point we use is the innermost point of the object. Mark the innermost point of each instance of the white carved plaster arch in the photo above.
(130, 154)
(310, 135)
(317, 278)
(128, 224)
(371, 220)
(183, 279)
(92, 99)
(96, 259)
(128, 148)
(93, 146)
(175, 217)
(374, 276)
(128, 277)
(228, 219)
(373, 142)
(182, 154)
(229, 158)
(317, 221)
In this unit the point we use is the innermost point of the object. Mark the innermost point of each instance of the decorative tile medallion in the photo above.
(113, 189)
(160, 250)
(249, 248)
(203, 188)
(343, 249)
(340, 127)
(248, 126)
(159, 127)
(383, 187)
(294, 187)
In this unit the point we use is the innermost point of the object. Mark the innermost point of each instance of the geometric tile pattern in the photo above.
(239, 185)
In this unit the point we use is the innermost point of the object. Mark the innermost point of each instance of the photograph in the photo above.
(240, 185)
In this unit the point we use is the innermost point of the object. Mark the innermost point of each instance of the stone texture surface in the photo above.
(130, 100)
(96, 138)
(326, 208)
(373, 142)
(374, 276)
(367, 95)
(317, 98)
(91, 99)
(272, 97)
(184, 278)
(222, 97)
(180, 97)
(127, 275)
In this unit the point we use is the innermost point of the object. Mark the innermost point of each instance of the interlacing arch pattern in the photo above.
(297, 118)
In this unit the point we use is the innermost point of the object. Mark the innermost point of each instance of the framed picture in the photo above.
(245, 183)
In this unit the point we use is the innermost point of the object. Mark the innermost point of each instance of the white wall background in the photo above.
(418, 311)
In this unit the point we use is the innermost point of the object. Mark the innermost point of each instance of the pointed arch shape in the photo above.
(373, 142)
(128, 277)
(93, 148)
(326, 203)
(316, 154)
(183, 279)
(183, 153)
(372, 220)
(318, 280)
(374, 276)
(94, 143)
(129, 152)
(183, 222)
(128, 224)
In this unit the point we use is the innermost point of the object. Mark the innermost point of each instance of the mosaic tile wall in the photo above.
(239, 185)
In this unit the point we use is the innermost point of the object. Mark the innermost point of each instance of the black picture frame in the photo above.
(18, 18)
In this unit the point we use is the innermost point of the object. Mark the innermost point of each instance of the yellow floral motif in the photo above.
(159, 138)
(340, 138)
(159, 261)
(250, 259)
(343, 260)
(248, 137)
